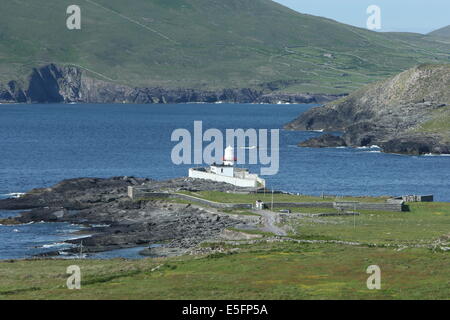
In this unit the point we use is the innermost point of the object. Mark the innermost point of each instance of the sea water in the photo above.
(41, 145)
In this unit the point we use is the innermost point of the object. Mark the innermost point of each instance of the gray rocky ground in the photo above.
(114, 221)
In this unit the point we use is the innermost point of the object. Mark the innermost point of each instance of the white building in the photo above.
(228, 173)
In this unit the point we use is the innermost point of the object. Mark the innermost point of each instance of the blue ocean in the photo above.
(41, 145)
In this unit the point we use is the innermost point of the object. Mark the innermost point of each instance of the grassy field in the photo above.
(267, 197)
(423, 224)
(205, 44)
(407, 246)
(277, 271)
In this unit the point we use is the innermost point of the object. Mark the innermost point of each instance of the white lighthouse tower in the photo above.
(228, 158)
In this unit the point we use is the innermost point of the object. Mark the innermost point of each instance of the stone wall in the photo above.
(140, 193)
(399, 206)
(374, 206)
(300, 204)
(213, 204)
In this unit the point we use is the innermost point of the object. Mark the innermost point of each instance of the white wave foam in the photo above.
(436, 155)
(80, 237)
(18, 225)
(14, 194)
(100, 225)
(374, 146)
(67, 230)
(57, 244)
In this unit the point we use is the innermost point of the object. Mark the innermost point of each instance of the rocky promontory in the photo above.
(408, 113)
(113, 221)
(69, 84)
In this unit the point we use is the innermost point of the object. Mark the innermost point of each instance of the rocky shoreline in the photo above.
(114, 221)
(406, 114)
(69, 84)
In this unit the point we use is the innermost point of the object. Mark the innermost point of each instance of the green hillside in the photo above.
(205, 44)
(443, 33)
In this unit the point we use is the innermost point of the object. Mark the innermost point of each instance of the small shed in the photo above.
(259, 205)
(418, 198)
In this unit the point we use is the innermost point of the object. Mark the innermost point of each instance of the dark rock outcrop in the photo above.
(324, 141)
(72, 194)
(416, 145)
(115, 221)
(391, 113)
(66, 84)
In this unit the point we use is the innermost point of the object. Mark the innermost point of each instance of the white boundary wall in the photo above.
(245, 183)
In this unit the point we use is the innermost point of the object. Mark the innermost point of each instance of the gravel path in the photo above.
(270, 220)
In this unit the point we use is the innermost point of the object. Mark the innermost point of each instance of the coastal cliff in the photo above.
(69, 84)
(408, 113)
